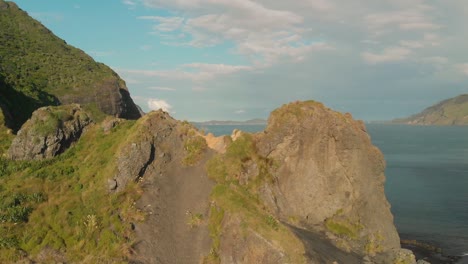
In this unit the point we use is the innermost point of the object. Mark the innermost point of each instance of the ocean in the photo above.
(427, 180)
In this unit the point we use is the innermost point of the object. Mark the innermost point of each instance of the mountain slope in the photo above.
(453, 111)
(37, 69)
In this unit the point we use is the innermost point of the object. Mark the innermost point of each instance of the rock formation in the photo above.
(49, 132)
(163, 156)
(330, 177)
(308, 189)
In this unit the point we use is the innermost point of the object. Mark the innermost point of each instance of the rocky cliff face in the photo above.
(453, 111)
(329, 177)
(309, 189)
(166, 158)
(49, 132)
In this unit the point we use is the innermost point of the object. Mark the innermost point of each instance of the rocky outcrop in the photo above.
(450, 112)
(49, 132)
(318, 179)
(133, 162)
(329, 177)
(175, 195)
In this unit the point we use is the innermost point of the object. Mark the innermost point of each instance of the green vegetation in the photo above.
(194, 146)
(343, 228)
(62, 203)
(194, 220)
(239, 198)
(232, 166)
(37, 67)
(293, 112)
(215, 226)
(374, 244)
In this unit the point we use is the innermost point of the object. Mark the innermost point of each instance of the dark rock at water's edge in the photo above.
(429, 253)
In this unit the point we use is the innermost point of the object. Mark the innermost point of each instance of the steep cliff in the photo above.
(311, 185)
(38, 69)
(453, 111)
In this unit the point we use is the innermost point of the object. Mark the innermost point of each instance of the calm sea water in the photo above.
(427, 180)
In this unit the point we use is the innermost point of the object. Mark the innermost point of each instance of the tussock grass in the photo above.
(68, 208)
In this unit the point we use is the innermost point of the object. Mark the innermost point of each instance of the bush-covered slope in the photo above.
(37, 68)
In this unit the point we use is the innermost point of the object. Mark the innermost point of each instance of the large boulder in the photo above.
(328, 177)
(49, 132)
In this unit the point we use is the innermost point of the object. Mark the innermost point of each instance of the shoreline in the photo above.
(431, 253)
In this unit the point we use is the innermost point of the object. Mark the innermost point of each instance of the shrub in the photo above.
(194, 147)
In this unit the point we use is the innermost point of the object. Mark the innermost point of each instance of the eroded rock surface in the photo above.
(175, 194)
(49, 132)
(309, 189)
(330, 177)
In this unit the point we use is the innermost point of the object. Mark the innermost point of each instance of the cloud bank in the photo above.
(378, 59)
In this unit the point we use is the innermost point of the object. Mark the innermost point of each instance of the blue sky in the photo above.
(240, 59)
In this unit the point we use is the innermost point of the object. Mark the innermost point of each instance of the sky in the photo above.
(240, 59)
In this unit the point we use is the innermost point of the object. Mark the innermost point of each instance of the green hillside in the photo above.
(61, 209)
(37, 68)
(453, 111)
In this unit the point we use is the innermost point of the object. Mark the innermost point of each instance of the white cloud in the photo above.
(165, 24)
(196, 72)
(408, 19)
(240, 111)
(129, 2)
(156, 104)
(392, 54)
(264, 35)
(263, 46)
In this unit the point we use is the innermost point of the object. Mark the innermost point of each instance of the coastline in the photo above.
(431, 253)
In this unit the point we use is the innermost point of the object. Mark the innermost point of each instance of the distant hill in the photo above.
(38, 69)
(453, 111)
(256, 121)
